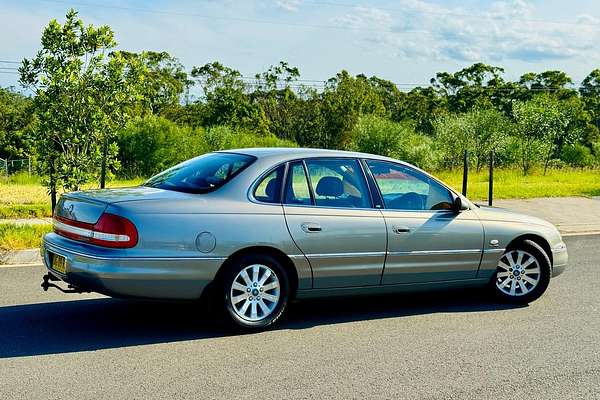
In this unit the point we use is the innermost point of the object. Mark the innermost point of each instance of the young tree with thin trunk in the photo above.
(83, 94)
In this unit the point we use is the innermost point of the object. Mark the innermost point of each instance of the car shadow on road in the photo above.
(87, 325)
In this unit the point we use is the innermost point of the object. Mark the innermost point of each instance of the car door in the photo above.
(329, 214)
(427, 240)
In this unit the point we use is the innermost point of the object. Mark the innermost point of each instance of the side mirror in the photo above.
(457, 205)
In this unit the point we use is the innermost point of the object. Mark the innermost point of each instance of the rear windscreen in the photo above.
(201, 174)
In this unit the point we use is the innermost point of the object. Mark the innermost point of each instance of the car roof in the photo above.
(289, 153)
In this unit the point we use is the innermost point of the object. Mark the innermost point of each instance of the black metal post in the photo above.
(491, 183)
(465, 172)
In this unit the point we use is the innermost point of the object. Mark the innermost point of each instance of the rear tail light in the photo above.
(110, 231)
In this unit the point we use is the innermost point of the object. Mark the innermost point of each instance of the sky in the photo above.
(405, 41)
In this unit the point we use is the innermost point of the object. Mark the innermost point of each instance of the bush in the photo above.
(152, 144)
(222, 137)
(479, 131)
(596, 151)
(577, 155)
(377, 135)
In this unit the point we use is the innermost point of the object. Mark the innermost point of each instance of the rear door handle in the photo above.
(311, 227)
(401, 229)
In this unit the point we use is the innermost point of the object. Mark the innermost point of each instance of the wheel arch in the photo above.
(539, 240)
(279, 255)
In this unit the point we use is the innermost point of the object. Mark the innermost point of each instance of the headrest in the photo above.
(271, 189)
(330, 186)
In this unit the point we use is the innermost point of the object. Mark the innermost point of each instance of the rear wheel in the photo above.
(523, 273)
(256, 291)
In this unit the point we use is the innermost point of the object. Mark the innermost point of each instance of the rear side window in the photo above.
(269, 189)
(338, 183)
(297, 190)
(201, 174)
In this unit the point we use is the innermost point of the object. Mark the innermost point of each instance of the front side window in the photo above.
(269, 188)
(338, 183)
(404, 188)
(201, 174)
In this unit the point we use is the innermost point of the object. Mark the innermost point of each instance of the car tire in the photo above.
(255, 291)
(523, 273)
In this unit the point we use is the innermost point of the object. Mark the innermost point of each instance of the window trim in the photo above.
(311, 189)
(366, 171)
(313, 198)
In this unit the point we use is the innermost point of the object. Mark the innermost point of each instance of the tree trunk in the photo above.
(103, 170)
(52, 186)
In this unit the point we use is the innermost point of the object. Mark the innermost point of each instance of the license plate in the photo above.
(59, 264)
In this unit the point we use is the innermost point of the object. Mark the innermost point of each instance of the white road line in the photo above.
(21, 265)
(580, 233)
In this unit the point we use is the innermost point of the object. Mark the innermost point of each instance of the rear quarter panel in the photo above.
(171, 229)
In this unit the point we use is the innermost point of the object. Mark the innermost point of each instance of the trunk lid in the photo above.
(87, 206)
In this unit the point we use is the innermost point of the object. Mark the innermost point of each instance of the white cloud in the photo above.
(364, 18)
(506, 30)
(289, 5)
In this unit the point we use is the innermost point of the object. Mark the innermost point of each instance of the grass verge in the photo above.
(19, 237)
(511, 184)
(23, 196)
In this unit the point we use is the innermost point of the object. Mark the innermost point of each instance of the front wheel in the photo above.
(256, 291)
(523, 273)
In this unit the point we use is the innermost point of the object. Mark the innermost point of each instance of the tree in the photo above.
(344, 99)
(277, 101)
(543, 124)
(490, 131)
(590, 93)
(226, 98)
(16, 121)
(476, 85)
(554, 82)
(82, 97)
(165, 80)
(423, 106)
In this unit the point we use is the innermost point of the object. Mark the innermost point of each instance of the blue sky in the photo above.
(406, 41)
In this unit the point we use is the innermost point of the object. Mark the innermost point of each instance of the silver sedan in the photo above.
(255, 228)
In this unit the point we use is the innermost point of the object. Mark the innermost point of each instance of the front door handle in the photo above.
(311, 227)
(401, 229)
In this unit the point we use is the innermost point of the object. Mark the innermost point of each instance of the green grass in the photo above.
(510, 183)
(18, 237)
(23, 196)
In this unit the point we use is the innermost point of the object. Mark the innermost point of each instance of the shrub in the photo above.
(151, 144)
(222, 137)
(596, 151)
(377, 135)
(577, 155)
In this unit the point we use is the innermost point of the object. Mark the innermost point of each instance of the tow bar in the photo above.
(46, 284)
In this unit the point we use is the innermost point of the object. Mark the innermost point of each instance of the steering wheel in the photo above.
(408, 201)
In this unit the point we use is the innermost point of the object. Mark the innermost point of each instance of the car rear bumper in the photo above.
(560, 259)
(140, 277)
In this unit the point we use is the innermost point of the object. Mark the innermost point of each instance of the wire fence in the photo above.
(9, 167)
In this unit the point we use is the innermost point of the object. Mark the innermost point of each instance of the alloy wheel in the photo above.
(518, 273)
(255, 292)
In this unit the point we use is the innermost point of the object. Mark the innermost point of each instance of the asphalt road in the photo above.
(446, 345)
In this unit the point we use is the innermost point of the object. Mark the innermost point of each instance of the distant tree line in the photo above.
(94, 108)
